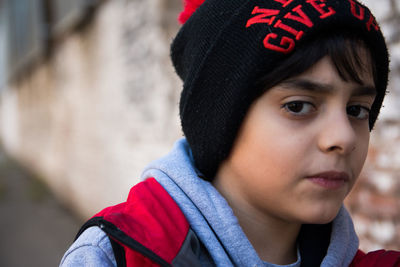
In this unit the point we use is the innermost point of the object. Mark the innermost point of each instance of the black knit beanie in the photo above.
(225, 46)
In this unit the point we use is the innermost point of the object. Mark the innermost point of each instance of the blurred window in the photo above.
(3, 47)
(25, 32)
(27, 28)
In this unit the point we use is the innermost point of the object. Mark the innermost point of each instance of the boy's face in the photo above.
(301, 147)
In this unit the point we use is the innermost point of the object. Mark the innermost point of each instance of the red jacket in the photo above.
(376, 259)
(149, 229)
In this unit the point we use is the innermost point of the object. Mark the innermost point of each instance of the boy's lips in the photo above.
(330, 180)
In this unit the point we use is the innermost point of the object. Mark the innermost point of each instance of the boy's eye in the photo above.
(299, 108)
(358, 112)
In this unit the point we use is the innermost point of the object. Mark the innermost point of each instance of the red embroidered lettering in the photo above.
(262, 16)
(286, 44)
(361, 13)
(302, 17)
(284, 2)
(320, 8)
(297, 34)
(372, 22)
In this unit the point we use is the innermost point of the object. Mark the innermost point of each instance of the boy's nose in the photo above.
(337, 135)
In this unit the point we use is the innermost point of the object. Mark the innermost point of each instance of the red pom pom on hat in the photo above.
(190, 6)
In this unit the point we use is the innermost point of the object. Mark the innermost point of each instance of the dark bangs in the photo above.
(345, 51)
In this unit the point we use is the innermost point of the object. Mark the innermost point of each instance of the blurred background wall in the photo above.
(88, 97)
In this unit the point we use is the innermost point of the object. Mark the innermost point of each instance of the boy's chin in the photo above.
(321, 217)
(324, 220)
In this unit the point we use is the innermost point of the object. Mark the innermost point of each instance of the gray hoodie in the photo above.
(223, 242)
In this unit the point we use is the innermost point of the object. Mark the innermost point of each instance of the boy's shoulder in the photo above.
(148, 226)
(378, 258)
(147, 201)
(92, 248)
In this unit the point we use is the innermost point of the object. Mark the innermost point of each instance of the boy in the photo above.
(278, 102)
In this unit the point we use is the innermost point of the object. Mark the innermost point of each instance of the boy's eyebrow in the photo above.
(307, 85)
